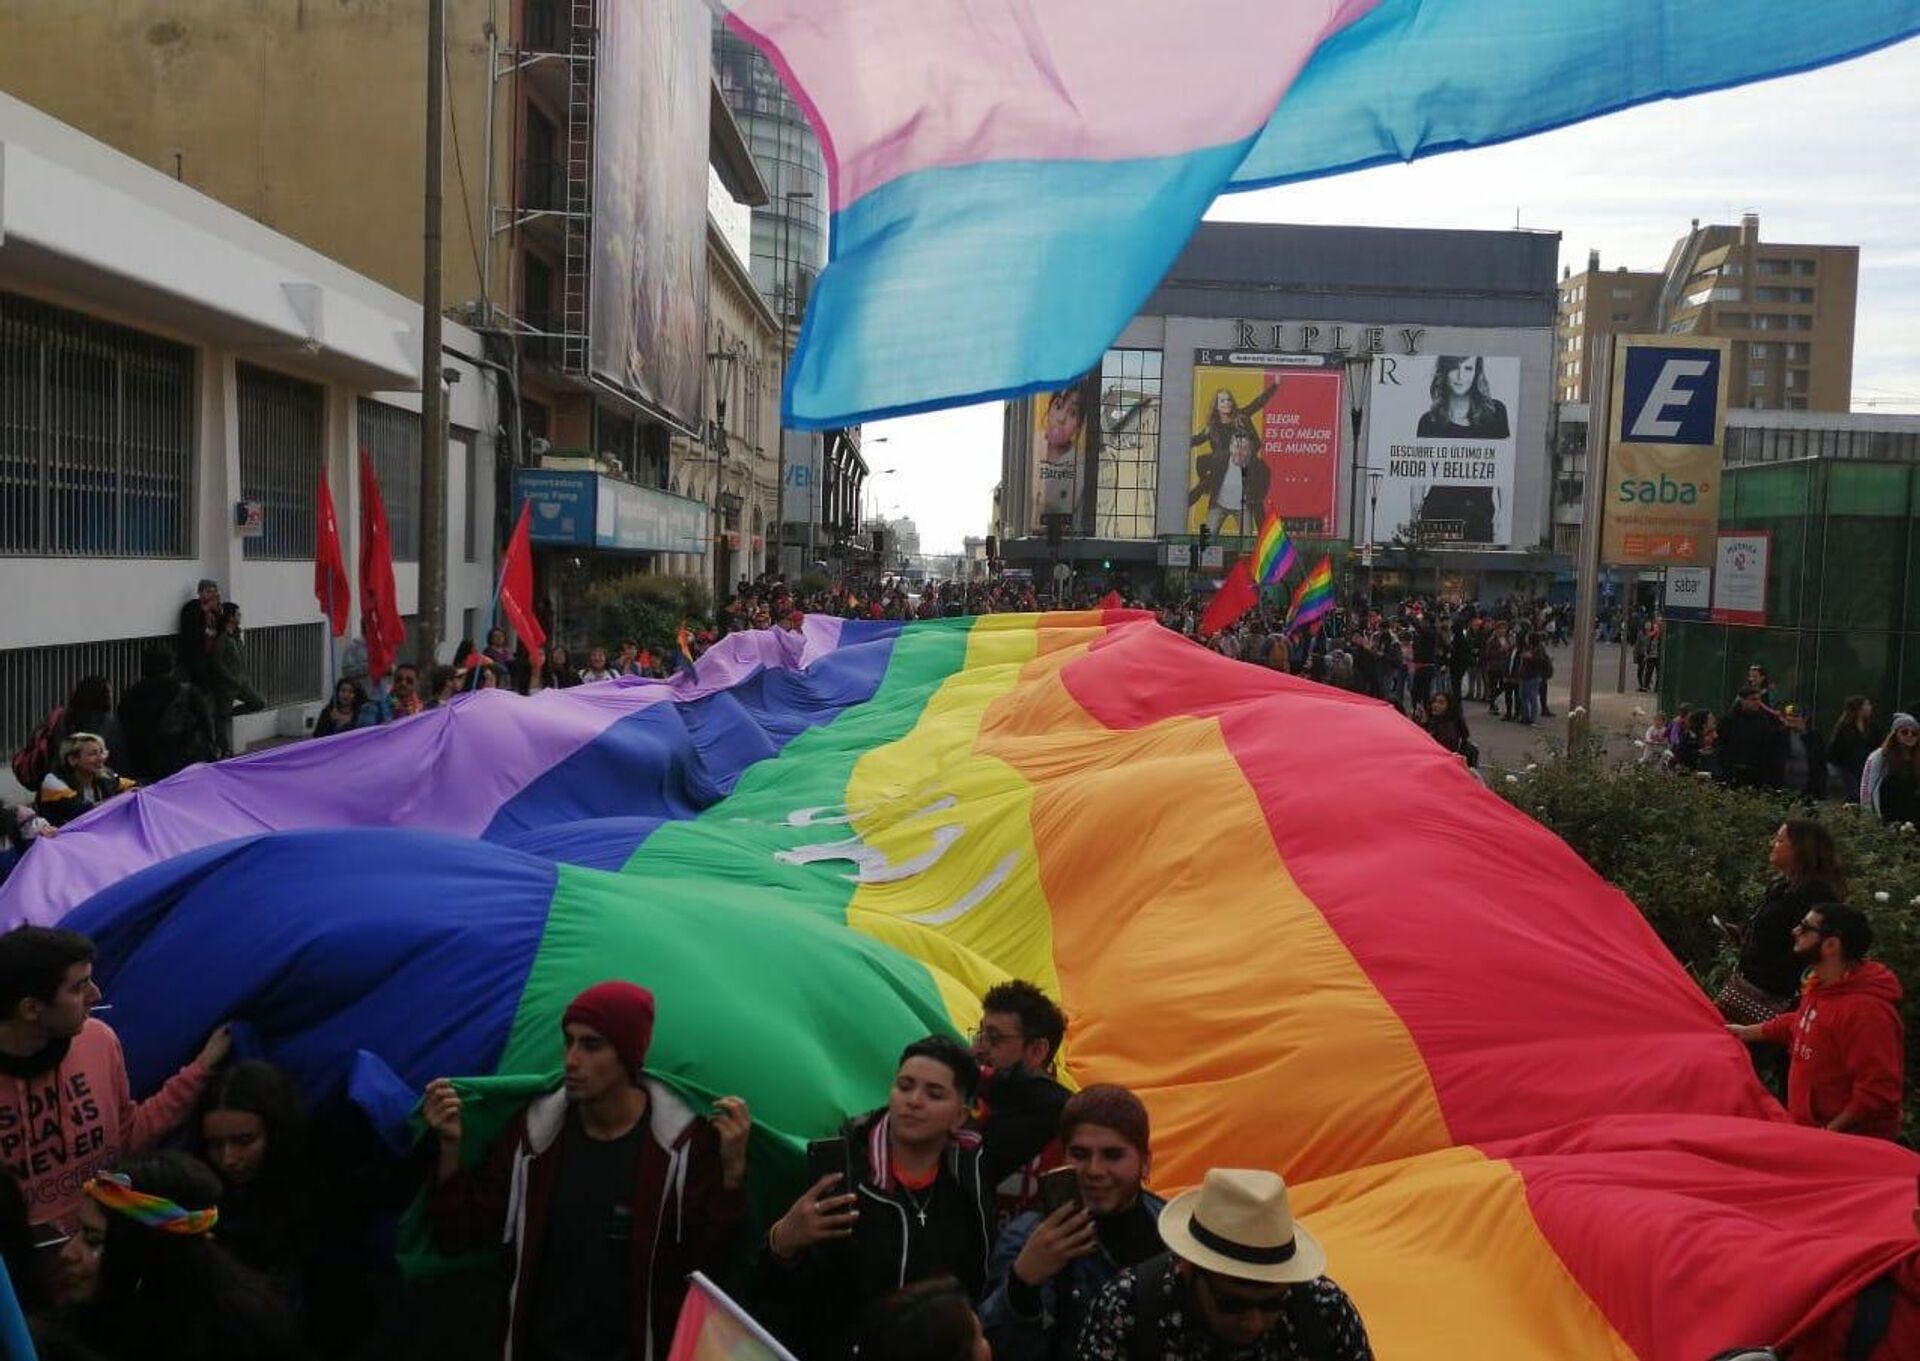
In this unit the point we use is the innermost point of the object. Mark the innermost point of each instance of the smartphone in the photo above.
(830, 1157)
(1058, 1188)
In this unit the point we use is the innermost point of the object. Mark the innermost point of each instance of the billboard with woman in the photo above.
(1440, 444)
(1266, 442)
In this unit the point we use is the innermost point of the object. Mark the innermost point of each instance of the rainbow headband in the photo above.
(116, 1193)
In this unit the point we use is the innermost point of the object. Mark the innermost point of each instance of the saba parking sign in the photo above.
(1668, 425)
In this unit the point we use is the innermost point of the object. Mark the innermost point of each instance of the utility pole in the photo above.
(1586, 604)
(432, 603)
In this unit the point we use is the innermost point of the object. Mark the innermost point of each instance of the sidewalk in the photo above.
(1510, 746)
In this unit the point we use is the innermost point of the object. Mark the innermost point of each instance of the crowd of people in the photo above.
(978, 1210)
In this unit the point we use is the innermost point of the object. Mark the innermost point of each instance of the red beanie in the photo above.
(621, 1011)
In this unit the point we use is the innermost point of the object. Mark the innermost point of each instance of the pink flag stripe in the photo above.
(920, 84)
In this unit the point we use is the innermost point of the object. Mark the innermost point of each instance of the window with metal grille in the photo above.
(96, 437)
(34, 679)
(392, 436)
(284, 662)
(283, 435)
(470, 458)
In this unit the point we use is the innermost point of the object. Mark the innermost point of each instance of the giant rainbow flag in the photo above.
(1008, 182)
(1307, 935)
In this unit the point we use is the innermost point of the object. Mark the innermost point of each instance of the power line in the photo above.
(460, 173)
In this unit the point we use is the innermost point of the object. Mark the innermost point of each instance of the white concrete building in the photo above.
(168, 365)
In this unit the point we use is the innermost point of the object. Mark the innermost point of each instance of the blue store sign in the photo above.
(585, 510)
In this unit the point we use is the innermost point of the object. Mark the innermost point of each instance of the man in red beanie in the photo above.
(610, 1191)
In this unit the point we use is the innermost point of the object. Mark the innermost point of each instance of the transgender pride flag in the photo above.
(1010, 179)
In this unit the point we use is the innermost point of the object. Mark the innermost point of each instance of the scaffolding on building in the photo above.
(555, 197)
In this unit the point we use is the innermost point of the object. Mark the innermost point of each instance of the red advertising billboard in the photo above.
(1266, 441)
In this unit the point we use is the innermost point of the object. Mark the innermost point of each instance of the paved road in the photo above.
(1621, 718)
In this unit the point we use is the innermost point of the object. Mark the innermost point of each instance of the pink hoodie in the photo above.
(62, 1126)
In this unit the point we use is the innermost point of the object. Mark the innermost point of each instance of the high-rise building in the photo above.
(1595, 306)
(1788, 311)
(822, 472)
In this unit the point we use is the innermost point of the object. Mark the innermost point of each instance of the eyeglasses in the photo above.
(992, 1037)
(1802, 928)
(1243, 1304)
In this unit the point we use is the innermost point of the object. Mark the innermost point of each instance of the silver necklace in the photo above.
(919, 1206)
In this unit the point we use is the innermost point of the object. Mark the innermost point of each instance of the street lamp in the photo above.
(784, 287)
(1374, 478)
(1358, 365)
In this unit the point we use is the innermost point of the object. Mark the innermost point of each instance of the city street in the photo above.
(1620, 718)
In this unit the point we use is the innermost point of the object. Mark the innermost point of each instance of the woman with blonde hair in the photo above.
(80, 780)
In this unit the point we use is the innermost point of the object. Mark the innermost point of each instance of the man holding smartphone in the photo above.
(1095, 1221)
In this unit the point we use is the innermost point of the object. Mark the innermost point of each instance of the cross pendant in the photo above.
(923, 1217)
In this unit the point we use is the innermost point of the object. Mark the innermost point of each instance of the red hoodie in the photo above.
(1847, 1048)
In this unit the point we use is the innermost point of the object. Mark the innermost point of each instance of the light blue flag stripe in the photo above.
(1418, 77)
(978, 282)
(969, 283)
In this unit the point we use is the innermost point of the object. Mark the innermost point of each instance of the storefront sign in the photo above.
(1689, 593)
(1289, 337)
(1740, 578)
(1668, 414)
(584, 510)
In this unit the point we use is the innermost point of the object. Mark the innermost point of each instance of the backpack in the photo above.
(33, 761)
(1150, 1306)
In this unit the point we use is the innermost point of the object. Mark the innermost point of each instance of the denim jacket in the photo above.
(1064, 1300)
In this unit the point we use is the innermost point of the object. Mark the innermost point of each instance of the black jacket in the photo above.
(817, 1301)
(1752, 748)
(1766, 949)
(168, 725)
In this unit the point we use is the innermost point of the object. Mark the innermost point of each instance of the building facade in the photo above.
(582, 140)
(1329, 349)
(1787, 310)
(176, 380)
(819, 469)
(1595, 306)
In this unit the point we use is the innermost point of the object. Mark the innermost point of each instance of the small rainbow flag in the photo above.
(1274, 555)
(713, 1328)
(1313, 601)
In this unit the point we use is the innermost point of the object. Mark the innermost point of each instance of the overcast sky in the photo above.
(1831, 157)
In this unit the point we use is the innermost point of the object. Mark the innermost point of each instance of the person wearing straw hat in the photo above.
(1240, 1279)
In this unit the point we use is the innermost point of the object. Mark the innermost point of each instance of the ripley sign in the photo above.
(1325, 337)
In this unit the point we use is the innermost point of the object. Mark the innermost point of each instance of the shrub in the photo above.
(646, 607)
(1685, 849)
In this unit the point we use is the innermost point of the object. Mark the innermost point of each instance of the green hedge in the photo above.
(1685, 849)
(645, 606)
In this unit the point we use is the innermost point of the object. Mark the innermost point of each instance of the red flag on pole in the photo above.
(1237, 595)
(516, 581)
(379, 602)
(330, 585)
